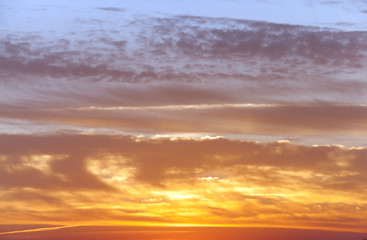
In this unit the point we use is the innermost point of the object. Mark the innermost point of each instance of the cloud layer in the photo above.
(314, 77)
(74, 179)
(115, 116)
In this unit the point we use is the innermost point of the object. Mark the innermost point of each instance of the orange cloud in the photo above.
(94, 179)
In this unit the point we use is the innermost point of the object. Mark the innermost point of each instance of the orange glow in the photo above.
(127, 124)
(182, 182)
(179, 233)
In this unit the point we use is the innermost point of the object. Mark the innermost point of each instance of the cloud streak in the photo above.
(317, 119)
(35, 230)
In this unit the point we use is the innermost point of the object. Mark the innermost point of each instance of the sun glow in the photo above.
(179, 121)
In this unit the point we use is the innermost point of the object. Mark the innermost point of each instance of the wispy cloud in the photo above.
(113, 9)
(317, 119)
(35, 230)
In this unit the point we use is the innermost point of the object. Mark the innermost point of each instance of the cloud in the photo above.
(183, 76)
(177, 40)
(187, 60)
(33, 197)
(180, 60)
(251, 38)
(68, 171)
(153, 158)
(113, 9)
(124, 178)
(320, 119)
(332, 2)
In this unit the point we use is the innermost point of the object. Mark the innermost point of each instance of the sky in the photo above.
(172, 119)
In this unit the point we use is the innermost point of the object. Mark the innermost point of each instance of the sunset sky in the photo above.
(169, 119)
